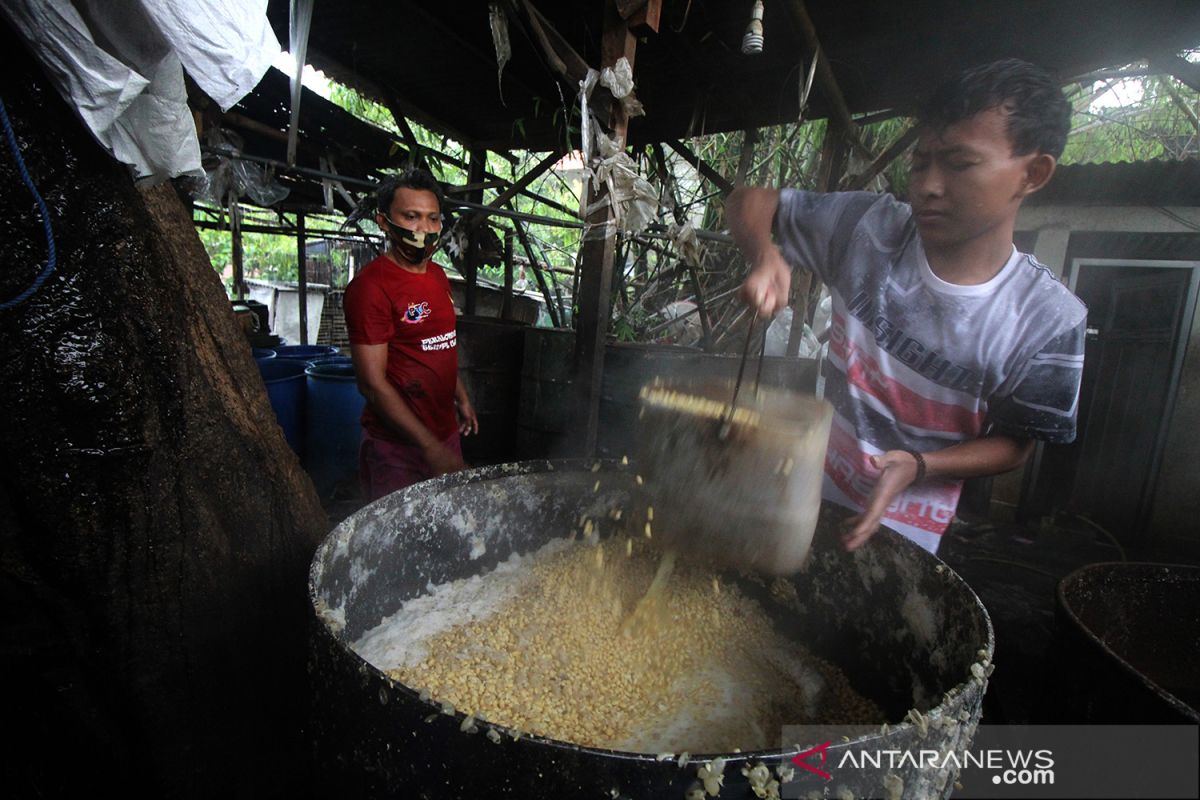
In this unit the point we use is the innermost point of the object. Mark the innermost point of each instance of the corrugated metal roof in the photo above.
(1136, 183)
(439, 58)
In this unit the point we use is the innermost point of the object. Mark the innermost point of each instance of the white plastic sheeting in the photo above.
(120, 64)
(633, 198)
(299, 25)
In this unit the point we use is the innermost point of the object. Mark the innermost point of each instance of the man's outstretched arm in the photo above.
(750, 212)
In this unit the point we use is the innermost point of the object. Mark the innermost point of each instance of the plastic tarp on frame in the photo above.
(120, 64)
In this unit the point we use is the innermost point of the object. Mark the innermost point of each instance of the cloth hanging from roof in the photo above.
(120, 64)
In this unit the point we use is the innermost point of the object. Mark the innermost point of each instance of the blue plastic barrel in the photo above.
(332, 432)
(338, 359)
(263, 353)
(304, 352)
(285, 388)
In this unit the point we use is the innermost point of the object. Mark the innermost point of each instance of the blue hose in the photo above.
(51, 258)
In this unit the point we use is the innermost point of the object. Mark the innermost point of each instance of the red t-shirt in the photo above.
(414, 315)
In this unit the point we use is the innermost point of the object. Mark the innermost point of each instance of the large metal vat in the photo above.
(1130, 640)
(904, 628)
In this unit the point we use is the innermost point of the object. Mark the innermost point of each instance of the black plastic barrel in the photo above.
(490, 352)
(627, 368)
(546, 403)
(904, 628)
(1129, 635)
(796, 374)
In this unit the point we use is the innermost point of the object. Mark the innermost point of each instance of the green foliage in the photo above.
(265, 256)
(553, 244)
(1163, 124)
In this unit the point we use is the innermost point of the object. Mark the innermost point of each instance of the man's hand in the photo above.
(990, 455)
(442, 459)
(766, 288)
(468, 423)
(897, 471)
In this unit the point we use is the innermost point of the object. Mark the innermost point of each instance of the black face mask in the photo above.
(415, 246)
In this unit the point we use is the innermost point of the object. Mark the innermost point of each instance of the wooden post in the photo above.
(302, 277)
(470, 259)
(596, 256)
(235, 233)
(506, 301)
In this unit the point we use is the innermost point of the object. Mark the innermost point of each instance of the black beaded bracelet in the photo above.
(920, 465)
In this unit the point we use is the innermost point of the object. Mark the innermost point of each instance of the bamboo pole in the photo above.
(302, 278)
(749, 140)
(235, 234)
(890, 154)
(704, 169)
(506, 302)
(555, 318)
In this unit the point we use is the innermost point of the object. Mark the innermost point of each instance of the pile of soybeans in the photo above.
(566, 643)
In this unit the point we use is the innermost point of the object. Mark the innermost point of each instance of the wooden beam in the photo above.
(416, 153)
(1185, 71)
(558, 51)
(529, 177)
(704, 169)
(627, 8)
(838, 112)
(490, 183)
(642, 16)
(594, 297)
(506, 299)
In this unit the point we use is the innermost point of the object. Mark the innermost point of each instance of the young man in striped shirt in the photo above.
(950, 352)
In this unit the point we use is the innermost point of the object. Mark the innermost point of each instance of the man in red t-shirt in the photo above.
(402, 336)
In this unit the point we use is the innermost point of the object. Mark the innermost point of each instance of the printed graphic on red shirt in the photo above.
(443, 341)
(417, 312)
